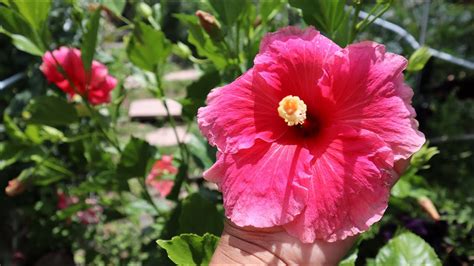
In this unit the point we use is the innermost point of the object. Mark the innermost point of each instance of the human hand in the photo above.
(274, 246)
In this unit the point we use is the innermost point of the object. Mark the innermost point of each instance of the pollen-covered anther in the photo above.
(293, 110)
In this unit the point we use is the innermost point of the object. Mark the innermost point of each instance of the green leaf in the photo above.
(201, 40)
(190, 249)
(134, 160)
(10, 153)
(35, 12)
(116, 6)
(270, 8)
(197, 91)
(350, 260)
(326, 16)
(51, 111)
(15, 25)
(420, 159)
(13, 131)
(407, 249)
(191, 219)
(199, 150)
(22, 43)
(89, 41)
(419, 59)
(147, 47)
(228, 11)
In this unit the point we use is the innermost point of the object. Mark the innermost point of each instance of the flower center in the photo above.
(293, 110)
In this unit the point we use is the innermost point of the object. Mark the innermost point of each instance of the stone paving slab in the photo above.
(165, 137)
(147, 108)
(188, 74)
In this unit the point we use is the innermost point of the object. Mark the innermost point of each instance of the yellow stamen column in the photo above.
(293, 110)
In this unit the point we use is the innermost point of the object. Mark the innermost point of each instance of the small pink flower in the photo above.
(90, 215)
(162, 167)
(308, 137)
(94, 86)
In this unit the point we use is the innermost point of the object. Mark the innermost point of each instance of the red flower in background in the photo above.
(307, 138)
(95, 86)
(90, 215)
(162, 167)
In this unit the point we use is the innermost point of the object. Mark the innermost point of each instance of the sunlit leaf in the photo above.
(228, 11)
(148, 47)
(89, 41)
(418, 59)
(407, 249)
(15, 25)
(35, 12)
(190, 249)
(326, 16)
(202, 41)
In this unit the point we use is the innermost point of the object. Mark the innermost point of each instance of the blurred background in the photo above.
(98, 185)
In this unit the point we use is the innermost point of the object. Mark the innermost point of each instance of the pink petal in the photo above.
(238, 114)
(365, 84)
(263, 186)
(71, 63)
(349, 188)
(291, 62)
(163, 187)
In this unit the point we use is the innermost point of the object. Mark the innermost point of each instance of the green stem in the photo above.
(353, 32)
(112, 142)
(182, 148)
(91, 110)
(148, 196)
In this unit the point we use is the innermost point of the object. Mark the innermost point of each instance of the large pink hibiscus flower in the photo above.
(307, 139)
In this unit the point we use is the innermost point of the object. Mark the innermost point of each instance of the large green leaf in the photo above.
(148, 47)
(197, 91)
(201, 40)
(326, 16)
(134, 160)
(24, 44)
(15, 25)
(190, 249)
(89, 41)
(270, 8)
(191, 219)
(51, 111)
(35, 12)
(407, 249)
(228, 11)
(200, 152)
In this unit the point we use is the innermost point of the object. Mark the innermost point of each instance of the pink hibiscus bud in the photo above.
(64, 68)
(307, 138)
(427, 205)
(15, 187)
(210, 25)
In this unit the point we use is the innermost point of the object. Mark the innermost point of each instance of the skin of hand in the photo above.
(273, 246)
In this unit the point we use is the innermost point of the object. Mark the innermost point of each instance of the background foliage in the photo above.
(95, 158)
